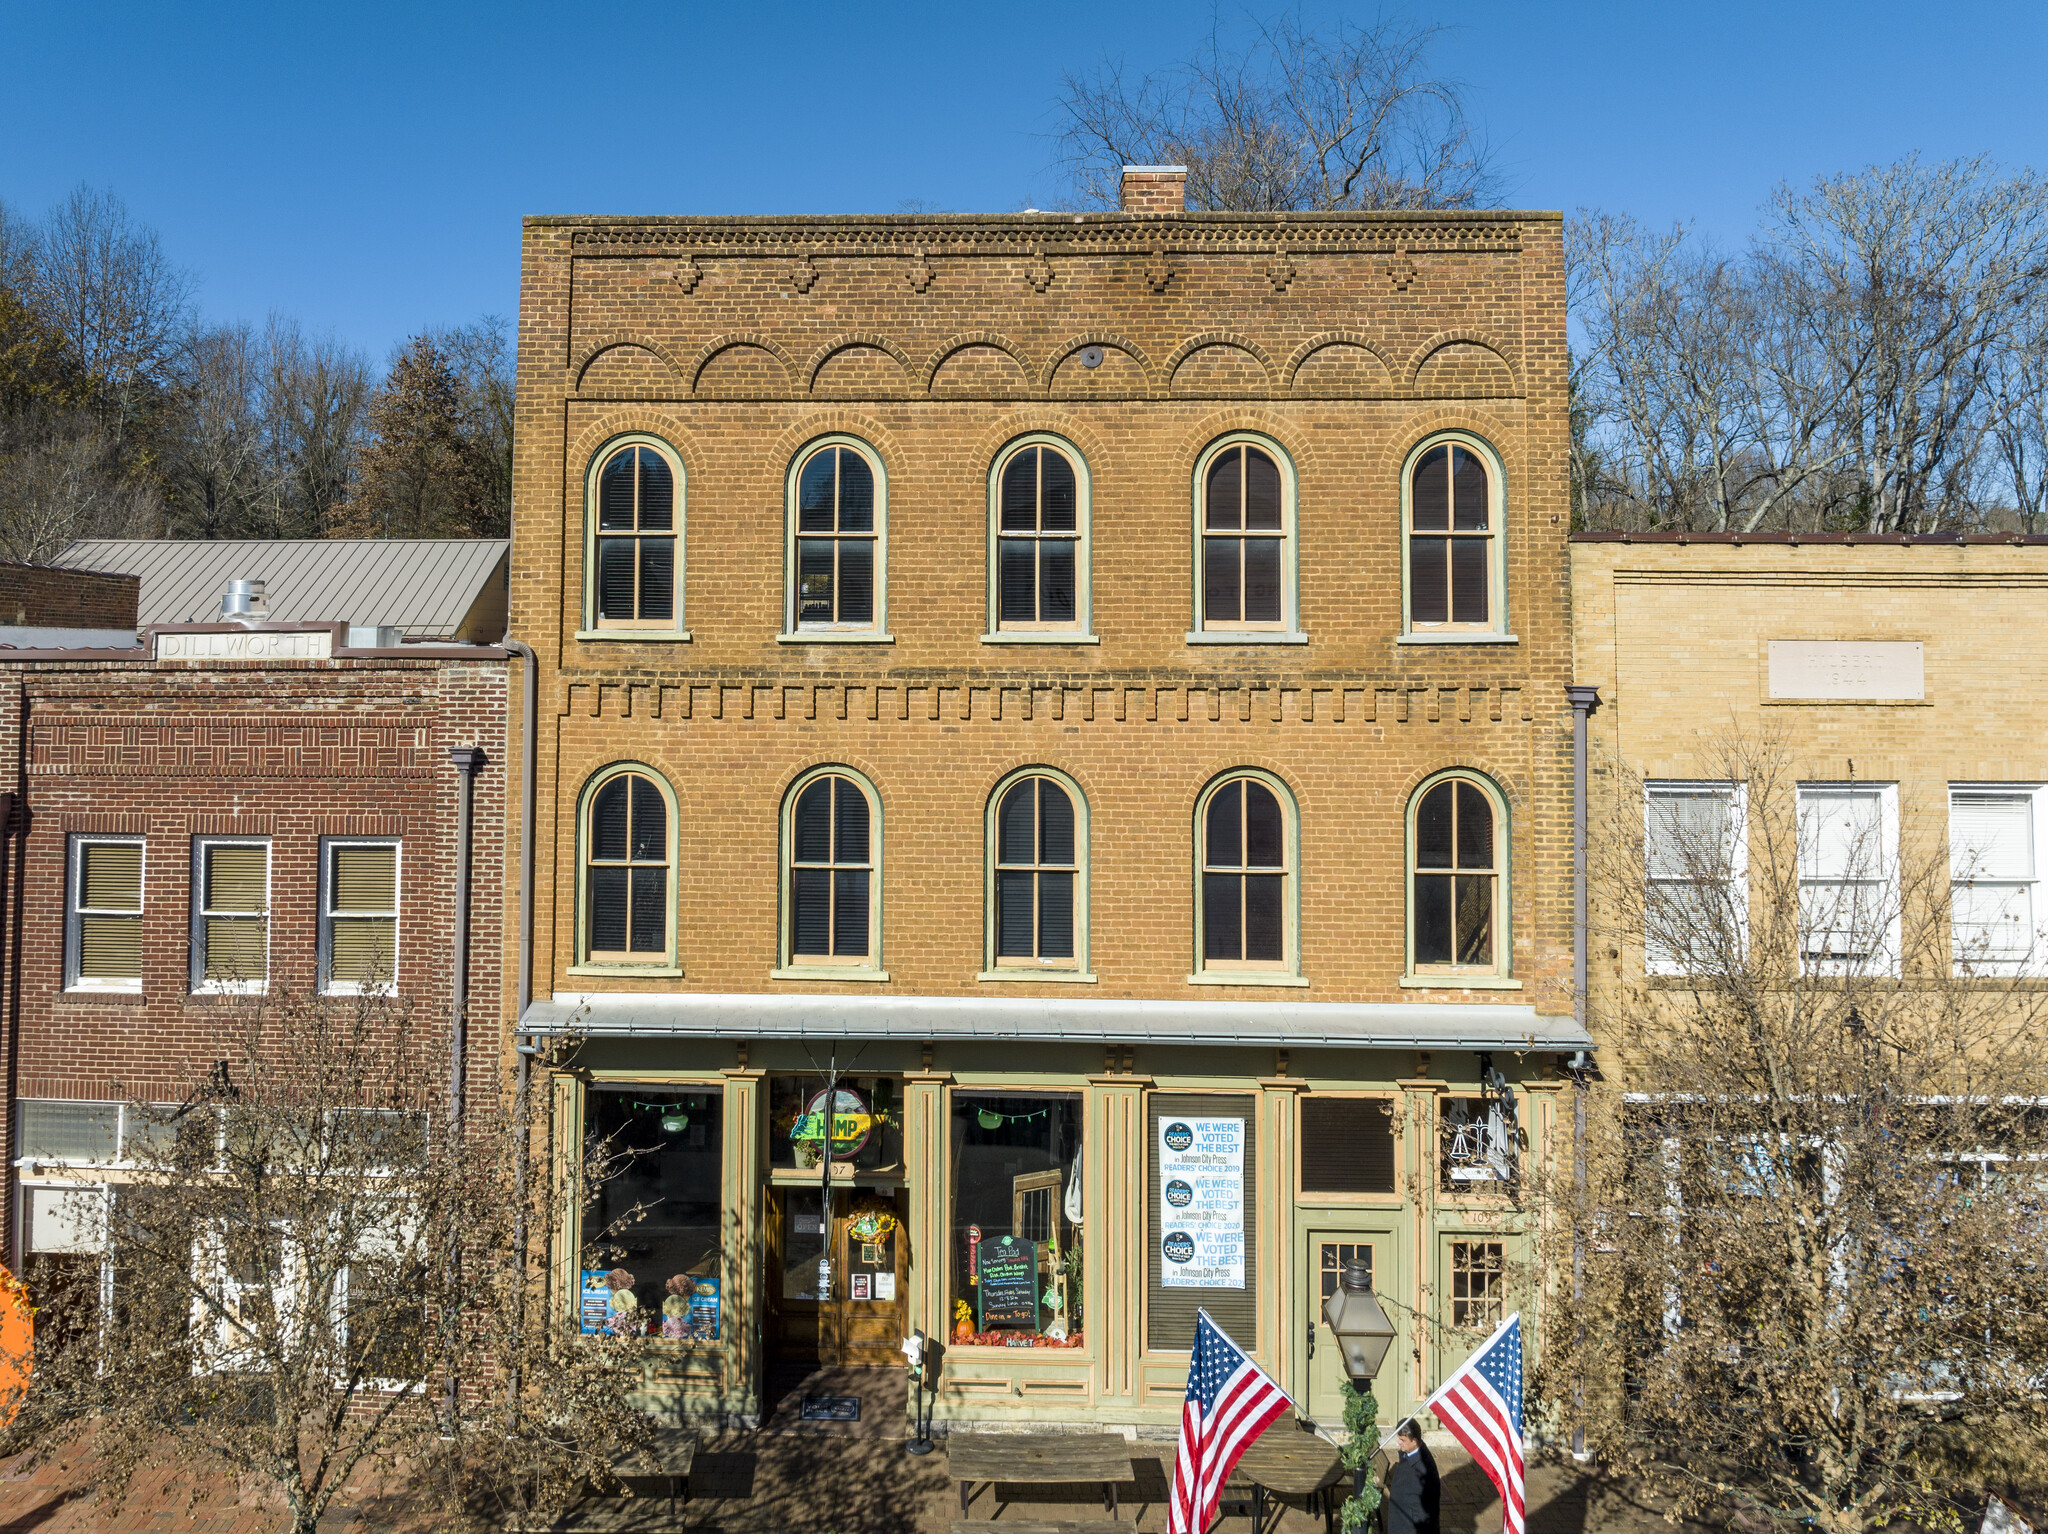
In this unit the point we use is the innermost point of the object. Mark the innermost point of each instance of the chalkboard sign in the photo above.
(1006, 1291)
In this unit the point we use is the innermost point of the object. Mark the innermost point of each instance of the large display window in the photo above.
(650, 1255)
(1018, 1220)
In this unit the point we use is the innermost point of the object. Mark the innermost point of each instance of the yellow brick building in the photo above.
(1095, 682)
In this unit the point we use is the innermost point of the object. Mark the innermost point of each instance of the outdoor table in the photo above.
(1294, 1462)
(669, 1454)
(1039, 1459)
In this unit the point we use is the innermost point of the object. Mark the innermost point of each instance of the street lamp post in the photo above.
(1363, 1335)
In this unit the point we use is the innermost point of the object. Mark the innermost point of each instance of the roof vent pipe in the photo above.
(243, 602)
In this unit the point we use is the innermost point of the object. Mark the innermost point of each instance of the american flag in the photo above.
(1231, 1400)
(1482, 1406)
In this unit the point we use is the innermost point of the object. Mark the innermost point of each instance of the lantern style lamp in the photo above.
(1361, 1327)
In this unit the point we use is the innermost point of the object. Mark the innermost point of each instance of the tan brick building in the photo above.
(1857, 668)
(1096, 681)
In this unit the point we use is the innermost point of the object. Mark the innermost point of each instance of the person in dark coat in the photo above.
(1414, 1490)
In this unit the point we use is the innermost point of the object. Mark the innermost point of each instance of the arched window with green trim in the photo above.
(628, 839)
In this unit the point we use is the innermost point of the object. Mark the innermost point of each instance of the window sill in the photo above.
(1246, 977)
(232, 988)
(630, 971)
(104, 988)
(1459, 638)
(851, 973)
(1246, 636)
(1036, 976)
(1460, 983)
(356, 988)
(1041, 638)
(635, 636)
(836, 636)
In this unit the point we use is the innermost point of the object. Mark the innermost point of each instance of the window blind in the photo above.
(1991, 836)
(1347, 1145)
(235, 931)
(110, 905)
(1170, 1313)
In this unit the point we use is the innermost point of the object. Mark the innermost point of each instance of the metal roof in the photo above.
(1282, 1024)
(438, 588)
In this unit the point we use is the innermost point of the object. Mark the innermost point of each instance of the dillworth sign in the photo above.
(248, 644)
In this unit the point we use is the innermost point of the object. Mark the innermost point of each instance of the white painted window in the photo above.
(1849, 878)
(358, 916)
(231, 916)
(1995, 858)
(103, 932)
(1695, 876)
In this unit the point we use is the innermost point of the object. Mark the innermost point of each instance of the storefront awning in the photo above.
(1282, 1024)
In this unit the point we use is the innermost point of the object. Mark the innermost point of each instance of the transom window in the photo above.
(1038, 541)
(636, 540)
(626, 872)
(1037, 869)
(1454, 878)
(837, 555)
(1244, 540)
(1245, 870)
(831, 873)
(1451, 527)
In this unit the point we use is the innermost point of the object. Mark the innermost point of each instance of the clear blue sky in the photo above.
(365, 166)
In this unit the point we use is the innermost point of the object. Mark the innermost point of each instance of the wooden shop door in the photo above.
(861, 1321)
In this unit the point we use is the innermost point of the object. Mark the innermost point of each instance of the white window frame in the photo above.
(1738, 857)
(2035, 961)
(201, 986)
(327, 913)
(1883, 957)
(75, 910)
(1082, 629)
(595, 627)
(1289, 630)
(875, 632)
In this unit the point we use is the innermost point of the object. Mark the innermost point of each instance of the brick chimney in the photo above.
(1155, 189)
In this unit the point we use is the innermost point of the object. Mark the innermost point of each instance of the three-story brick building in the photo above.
(1095, 683)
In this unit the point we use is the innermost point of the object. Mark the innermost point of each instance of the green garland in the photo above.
(1362, 1442)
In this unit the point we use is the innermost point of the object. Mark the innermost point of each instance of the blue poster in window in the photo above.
(594, 1301)
(704, 1310)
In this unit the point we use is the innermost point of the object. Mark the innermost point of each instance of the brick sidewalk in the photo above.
(788, 1483)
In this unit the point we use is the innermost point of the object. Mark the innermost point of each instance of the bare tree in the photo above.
(1854, 368)
(302, 1255)
(1814, 1202)
(106, 286)
(216, 471)
(61, 479)
(480, 354)
(315, 396)
(1290, 118)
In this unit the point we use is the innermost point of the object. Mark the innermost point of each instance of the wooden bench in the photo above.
(1005, 1526)
(1038, 1459)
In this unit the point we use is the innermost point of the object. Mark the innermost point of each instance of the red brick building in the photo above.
(234, 807)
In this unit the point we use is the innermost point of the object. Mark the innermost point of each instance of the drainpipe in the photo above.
(469, 761)
(1583, 701)
(529, 705)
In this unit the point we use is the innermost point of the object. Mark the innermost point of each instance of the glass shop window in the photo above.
(866, 1124)
(651, 1262)
(1017, 1220)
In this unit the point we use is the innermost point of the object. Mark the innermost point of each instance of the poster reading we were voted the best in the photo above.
(1201, 1203)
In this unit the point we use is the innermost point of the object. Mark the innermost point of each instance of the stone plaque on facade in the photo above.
(247, 644)
(1847, 670)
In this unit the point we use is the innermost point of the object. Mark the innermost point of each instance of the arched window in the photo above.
(1247, 890)
(838, 520)
(1453, 543)
(628, 851)
(1245, 584)
(634, 551)
(833, 853)
(1038, 876)
(1457, 839)
(1038, 575)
